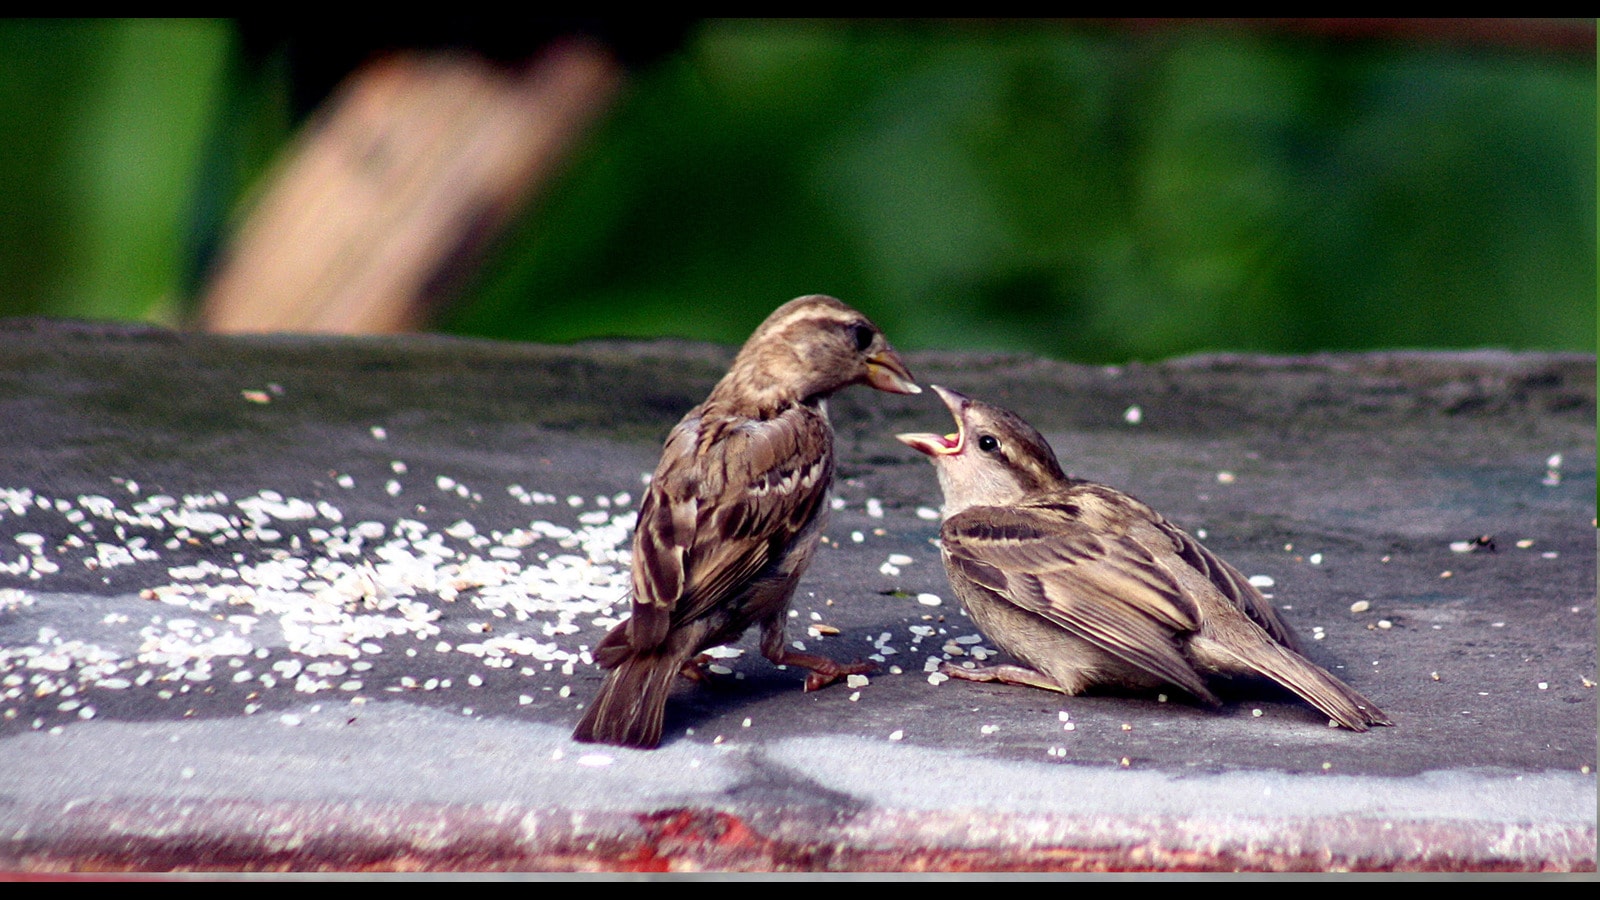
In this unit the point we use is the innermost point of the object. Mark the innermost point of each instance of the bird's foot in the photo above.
(695, 669)
(1005, 673)
(824, 671)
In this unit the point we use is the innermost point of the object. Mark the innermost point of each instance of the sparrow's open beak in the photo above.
(887, 372)
(941, 445)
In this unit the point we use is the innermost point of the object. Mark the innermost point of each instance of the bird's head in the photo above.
(994, 458)
(811, 347)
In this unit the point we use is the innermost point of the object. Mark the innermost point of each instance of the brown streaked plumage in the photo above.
(734, 512)
(1084, 585)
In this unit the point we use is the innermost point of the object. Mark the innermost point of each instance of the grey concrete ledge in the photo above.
(298, 603)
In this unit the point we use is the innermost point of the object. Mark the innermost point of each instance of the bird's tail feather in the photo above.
(629, 709)
(1337, 700)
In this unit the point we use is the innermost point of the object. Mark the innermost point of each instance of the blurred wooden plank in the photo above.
(410, 168)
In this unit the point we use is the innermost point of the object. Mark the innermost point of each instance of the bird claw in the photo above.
(816, 681)
(825, 671)
(695, 669)
(1005, 674)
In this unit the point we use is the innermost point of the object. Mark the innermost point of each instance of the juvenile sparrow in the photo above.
(1084, 585)
(734, 512)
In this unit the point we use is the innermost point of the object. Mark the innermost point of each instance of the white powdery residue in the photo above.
(267, 506)
(199, 521)
(1552, 475)
(326, 668)
(91, 662)
(550, 530)
(98, 506)
(334, 593)
(518, 538)
(275, 574)
(184, 647)
(512, 645)
(306, 684)
(369, 530)
(16, 500)
(109, 556)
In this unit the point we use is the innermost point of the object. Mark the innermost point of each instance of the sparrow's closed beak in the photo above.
(887, 372)
(941, 445)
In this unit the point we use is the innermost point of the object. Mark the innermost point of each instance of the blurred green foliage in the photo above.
(1084, 191)
(105, 129)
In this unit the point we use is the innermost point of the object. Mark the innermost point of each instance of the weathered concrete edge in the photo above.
(284, 836)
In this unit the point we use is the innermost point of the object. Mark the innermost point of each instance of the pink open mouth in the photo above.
(935, 444)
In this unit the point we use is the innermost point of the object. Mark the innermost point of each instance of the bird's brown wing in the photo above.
(1230, 583)
(1100, 583)
(728, 498)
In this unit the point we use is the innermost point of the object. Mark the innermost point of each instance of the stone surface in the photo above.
(343, 640)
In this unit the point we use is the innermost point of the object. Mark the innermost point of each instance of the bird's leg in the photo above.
(698, 670)
(1005, 673)
(695, 669)
(824, 671)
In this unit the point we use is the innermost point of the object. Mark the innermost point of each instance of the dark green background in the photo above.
(1086, 191)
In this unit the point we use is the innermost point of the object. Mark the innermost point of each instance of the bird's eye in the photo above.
(862, 335)
(987, 443)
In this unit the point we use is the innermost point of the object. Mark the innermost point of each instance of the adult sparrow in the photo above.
(1084, 585)
(734, 512)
